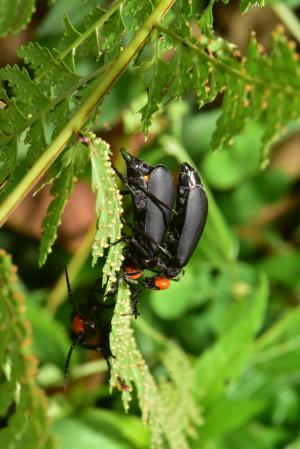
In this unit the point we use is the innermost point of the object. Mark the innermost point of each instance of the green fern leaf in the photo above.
(257, 87)
(36, 140)
(159, 403)
(134, 13)
(91, 45)
(111, 46)
(14, 15)
(156, 77)
(108, 208)
(46, 67)
(33, 99)
(62, 188)
(8, 160)
(207, 19)
(73, 163)
(183, 13)
(245, 4)
(23, 408)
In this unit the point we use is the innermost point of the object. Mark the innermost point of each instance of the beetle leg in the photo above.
(158, 201)
(144, 234)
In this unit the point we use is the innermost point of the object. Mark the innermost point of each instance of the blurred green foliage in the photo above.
(235, 312)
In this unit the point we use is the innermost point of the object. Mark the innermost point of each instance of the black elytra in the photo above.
(91, 322)
(152, 192)
(187, 225)
(170, 252)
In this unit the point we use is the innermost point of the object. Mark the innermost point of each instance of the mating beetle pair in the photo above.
(162, 239)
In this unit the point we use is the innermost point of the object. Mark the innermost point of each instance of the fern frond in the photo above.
(23, 407)
(14, 15)
(73, 163)
(245, 4)
(257, 87)
(41, 104)
(161, 404)
(96, 39)
(108, 208)
(84, 101)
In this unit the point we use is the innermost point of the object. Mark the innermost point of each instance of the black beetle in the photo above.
(91, 322)
(152, 192)
(184, 232)
(164, 249)
(187, 225)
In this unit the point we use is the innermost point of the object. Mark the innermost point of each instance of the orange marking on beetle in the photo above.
(133, 269)
(146, 178)
(78, 325)
(162, 283)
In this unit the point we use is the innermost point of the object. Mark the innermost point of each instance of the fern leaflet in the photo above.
(169, 423)
(22, 409)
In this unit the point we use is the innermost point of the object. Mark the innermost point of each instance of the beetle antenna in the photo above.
(69, 288)
(74, 343)
(67, 363)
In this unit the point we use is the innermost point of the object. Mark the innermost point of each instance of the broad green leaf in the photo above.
(229, 415)
(116, 424)
(228, 357)
(71, 433)
(189, 292)
(50, 341)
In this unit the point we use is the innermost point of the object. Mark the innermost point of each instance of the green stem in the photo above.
(84, 112)
(288, 18)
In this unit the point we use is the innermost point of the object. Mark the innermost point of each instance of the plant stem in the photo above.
(84, 112)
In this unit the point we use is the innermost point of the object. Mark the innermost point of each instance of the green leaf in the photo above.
(134, 13)
(62, 188)
(155, 79)
(108, 208)
(230, 414)
(245, 4)
(117, 425)
(207, 19)
(50, 339)
(158, 403)
(259, 87)
(74, 434)
(14, 15)
(73, 163)
(23, 409)
(181, 296)
(228, 357)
